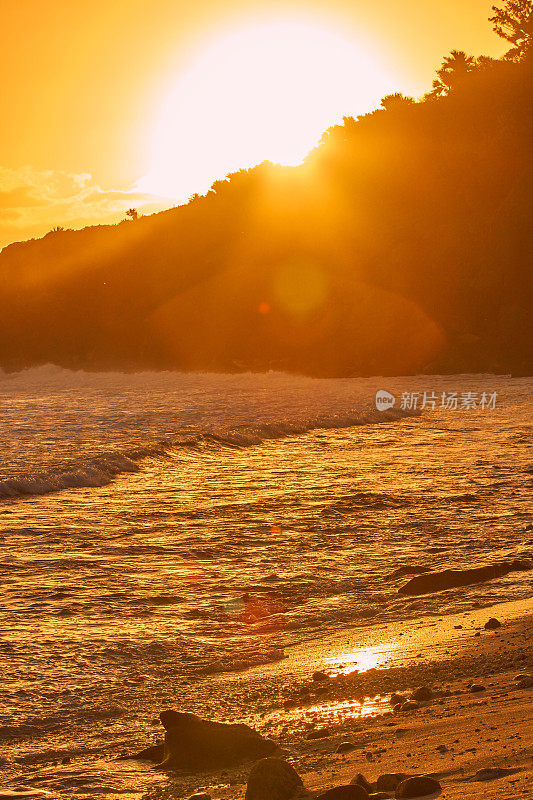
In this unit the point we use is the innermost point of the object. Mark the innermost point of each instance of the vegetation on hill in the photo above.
(403, 244)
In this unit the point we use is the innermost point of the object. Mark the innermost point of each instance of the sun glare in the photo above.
(264, 92)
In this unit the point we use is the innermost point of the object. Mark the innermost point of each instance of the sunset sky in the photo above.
(108, 105)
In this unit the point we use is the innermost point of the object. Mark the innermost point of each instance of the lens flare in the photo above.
(301, 287)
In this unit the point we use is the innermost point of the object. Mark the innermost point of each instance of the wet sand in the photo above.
(452, 736)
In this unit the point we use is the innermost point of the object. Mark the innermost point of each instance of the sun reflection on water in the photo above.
(362, 660)
(339, 711)
(330, 715)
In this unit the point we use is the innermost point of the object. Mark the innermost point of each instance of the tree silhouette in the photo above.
(396, 100)
(454, 69)
(408, 228)
(486, 62)
(218, 187)
(514, 23)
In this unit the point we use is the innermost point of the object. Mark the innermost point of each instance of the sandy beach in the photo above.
(328, 695)
(216, 579)
(453, 736)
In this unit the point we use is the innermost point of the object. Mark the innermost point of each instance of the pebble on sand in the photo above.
(390, 780)
(410, 705)
(360, 780)
(352, 791)
(345, 747)
(492, 624)
(422, 693)
(491, 774)
(273, 779)
(418, 786)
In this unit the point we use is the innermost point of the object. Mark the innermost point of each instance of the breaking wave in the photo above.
(105, 467)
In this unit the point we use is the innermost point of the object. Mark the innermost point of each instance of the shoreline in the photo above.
(309, 718)
(478, 730)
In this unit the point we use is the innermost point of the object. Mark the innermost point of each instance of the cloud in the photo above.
(34, 201)
(19, 197)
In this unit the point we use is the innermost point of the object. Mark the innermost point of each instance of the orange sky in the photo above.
(84, 84)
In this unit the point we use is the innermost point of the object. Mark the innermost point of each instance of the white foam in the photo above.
(64, 429)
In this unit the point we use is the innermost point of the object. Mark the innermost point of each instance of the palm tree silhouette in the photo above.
(396, 100)
(454, 69)
(514, 23)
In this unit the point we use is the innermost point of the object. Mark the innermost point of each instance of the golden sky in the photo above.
(113, 103)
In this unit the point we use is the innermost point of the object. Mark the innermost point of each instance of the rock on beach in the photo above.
(273, 779)
(418, 786)
(195, 744)
(352, 791)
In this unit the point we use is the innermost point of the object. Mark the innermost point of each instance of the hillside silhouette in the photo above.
(403, 244)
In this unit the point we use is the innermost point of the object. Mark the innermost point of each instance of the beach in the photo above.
(206, 543)
(452, 736)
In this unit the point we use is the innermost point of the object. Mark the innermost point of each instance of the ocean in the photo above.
(160, 528)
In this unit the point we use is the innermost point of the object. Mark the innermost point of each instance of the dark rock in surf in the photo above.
(352, 791)
(200, 796)
(194, 744)
(154, 753)
(452, 578)
(407, 570)
(273, 779)
(492, 624)
(18, 731)
(525, 683)
(477, 687)
(418, 786)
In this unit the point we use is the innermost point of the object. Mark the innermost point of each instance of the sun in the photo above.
(265, 91)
